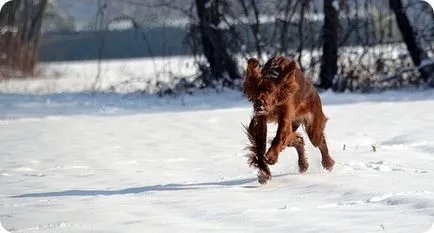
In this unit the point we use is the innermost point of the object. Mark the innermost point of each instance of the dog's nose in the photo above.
(258, 103)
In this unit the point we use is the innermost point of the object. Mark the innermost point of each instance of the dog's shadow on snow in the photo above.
(243, 183)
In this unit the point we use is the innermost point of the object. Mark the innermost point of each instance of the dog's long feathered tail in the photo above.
(257, 135)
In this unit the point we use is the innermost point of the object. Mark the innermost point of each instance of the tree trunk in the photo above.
(8, 13)
(329, 58)
(418, 55)
(36, 24)
(304, 5)
(213, 42)
(21, 22)
(254, 26)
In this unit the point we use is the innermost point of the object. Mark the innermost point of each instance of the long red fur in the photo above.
(290, 100)
(257, 146)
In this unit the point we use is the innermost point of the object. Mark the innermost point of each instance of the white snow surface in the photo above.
(2, 229)
(94, 162)
(115, 163)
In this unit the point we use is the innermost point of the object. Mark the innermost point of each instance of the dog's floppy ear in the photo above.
(251, 81)
(253, 67)
(289, 70)
(288, 84)
(252, 62)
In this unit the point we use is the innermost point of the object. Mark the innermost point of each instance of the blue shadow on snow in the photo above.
(153, 188)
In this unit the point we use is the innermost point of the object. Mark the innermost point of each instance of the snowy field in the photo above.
(83, 162)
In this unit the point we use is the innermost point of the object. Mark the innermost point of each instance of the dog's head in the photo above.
(274, 82)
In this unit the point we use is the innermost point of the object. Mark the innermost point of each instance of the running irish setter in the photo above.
(280, 93)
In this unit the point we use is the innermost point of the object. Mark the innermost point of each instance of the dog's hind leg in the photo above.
(298, 144)
(327, 161)
(315, 131)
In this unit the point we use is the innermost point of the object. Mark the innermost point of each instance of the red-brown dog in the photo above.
(280, 93)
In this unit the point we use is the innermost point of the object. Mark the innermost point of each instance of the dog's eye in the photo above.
(273, 73)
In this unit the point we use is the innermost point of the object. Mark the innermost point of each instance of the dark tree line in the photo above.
(218, 37)
(332, 36)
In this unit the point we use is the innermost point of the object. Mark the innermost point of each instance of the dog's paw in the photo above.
(263, 177)
(270, 158)
(328, 164)
(303, 165)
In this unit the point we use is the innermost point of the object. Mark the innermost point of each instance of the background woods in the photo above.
(360, 45)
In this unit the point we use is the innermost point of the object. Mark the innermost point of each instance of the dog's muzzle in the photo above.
(259, 107)
(259, 112)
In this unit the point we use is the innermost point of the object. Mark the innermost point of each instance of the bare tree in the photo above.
(329, 66)
(214, 44)
(21, 21)
(304, 5)
(417, 53)
(254, 25)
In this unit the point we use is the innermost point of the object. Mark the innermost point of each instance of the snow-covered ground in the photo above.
(72, 161)
(70, 164)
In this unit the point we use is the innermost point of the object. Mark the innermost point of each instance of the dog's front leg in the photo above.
(280, 141)
(258, 135)
(258, 129)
